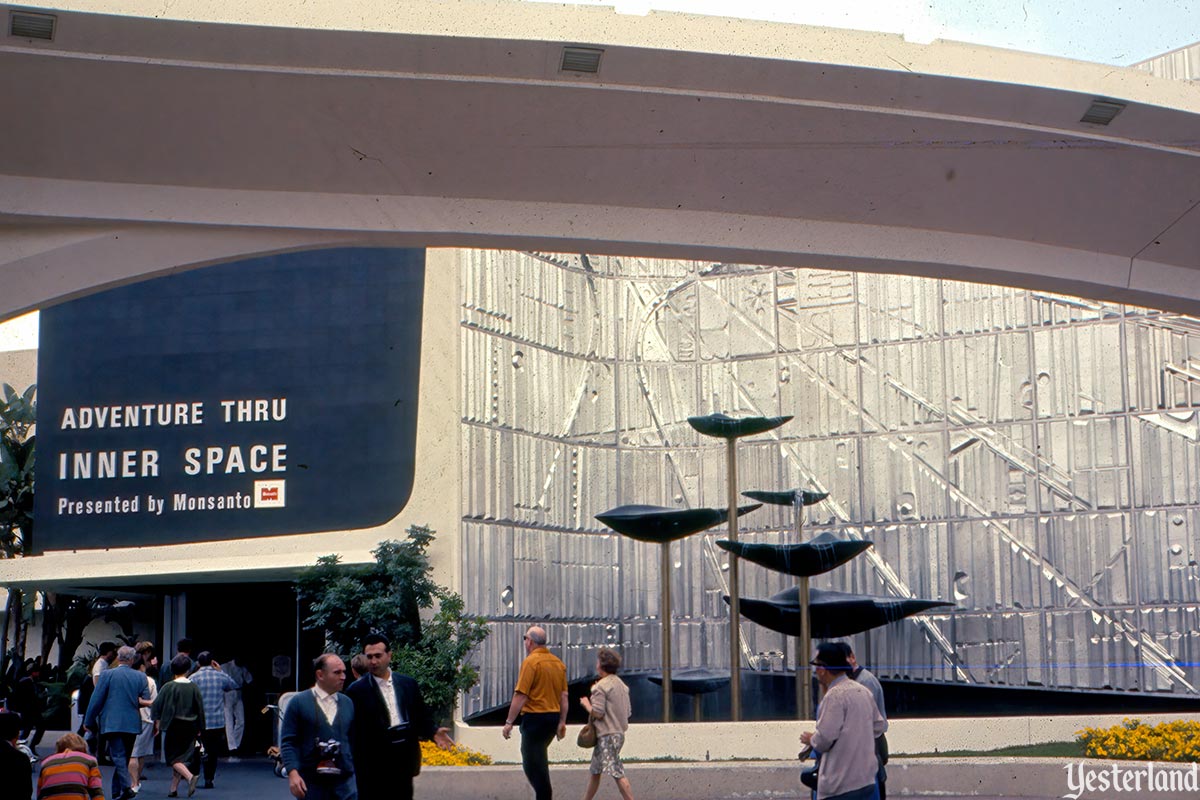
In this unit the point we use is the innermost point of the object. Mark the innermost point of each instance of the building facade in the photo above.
(1030, 457)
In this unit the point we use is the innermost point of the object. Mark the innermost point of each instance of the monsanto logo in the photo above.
(270, 494)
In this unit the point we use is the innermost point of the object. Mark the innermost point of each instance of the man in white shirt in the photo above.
(847, 725)
(235, 710)
(314, 741)
(390, 719)
(106, 654)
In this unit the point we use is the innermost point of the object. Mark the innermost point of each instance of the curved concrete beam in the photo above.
(245, 130)
(50, 264)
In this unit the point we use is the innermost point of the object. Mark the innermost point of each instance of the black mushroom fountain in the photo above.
(799, 560)
(663, 525)
(833, 614)
(731, 429)
(696, 683)
(815, 557)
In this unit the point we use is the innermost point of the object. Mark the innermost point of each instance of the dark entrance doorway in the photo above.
(255, 623)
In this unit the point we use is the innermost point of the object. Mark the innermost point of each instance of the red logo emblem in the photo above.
(269, 494)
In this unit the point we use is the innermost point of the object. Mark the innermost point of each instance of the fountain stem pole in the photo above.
(804, 640)
(665, 579)
(735, 644)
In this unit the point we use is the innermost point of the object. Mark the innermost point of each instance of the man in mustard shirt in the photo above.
(540, 700)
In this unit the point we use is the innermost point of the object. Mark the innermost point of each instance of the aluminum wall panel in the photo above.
(1033, 458)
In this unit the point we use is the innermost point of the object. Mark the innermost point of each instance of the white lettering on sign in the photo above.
(182, 501)
(132, 462)
(232, 461)
(143, 415)
(111, 505)
(269, 410)
(89, 464)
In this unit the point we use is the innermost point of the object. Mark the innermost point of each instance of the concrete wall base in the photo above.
(780, 740)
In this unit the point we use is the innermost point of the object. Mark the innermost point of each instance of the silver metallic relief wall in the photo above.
(1034, 458)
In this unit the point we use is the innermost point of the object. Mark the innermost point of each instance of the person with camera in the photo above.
(390, 719)
(314, 740)
(849, 719)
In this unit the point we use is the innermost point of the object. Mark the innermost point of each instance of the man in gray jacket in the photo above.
(868, 679)
(847, 725)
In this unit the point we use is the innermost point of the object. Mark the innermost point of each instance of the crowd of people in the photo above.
(343, 741)
(22, 681)
(125, 704)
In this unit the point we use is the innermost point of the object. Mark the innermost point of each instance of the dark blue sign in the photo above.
(269, 396)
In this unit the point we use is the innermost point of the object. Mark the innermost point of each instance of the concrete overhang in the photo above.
(134, 146)
(114, 577)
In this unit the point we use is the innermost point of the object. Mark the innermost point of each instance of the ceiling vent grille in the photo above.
(25, 25)
(581, 59)
(1102, 112)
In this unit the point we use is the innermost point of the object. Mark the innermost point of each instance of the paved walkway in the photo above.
(252, 779)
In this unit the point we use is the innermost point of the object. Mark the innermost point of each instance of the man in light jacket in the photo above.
(847, 725)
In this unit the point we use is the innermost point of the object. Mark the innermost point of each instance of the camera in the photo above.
(329, 751)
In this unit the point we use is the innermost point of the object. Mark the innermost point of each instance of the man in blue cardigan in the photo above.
(116, 705)
(314, 740)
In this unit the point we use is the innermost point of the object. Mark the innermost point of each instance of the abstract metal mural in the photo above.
(1032, 458)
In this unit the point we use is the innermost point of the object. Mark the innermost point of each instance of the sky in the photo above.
(1118, 32)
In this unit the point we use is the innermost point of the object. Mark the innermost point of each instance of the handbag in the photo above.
(196, 758)
(587, 736)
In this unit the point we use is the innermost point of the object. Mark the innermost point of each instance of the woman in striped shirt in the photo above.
(70, 774)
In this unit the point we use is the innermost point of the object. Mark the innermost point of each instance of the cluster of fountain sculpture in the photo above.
(799, 612)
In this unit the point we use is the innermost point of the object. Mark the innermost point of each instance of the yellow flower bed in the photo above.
(434, 756)
(1134, 741)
